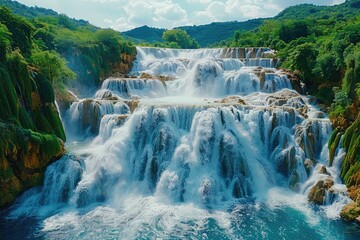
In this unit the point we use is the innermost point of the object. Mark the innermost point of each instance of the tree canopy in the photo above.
(177, 38)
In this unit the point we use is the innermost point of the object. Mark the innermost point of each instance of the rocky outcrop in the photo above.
(294, 79)
(92, 65)
(31, 131)
(318, 192)
(24, 156)
(64, 99)
(350, 167)
(351, 212)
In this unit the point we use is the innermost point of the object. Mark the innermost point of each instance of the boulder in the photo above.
(317, 193)
(23, 166)
(309, 164)
(146, 76)
(323, 170)
(350, 212)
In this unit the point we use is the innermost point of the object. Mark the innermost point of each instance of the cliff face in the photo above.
(350, 170)
(94, 63)
(24, 157)
(32, 134)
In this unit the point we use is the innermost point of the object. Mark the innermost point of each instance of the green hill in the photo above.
(205, 35)
(211, 33)
(310, 11)
(35, 12)
(145, 34)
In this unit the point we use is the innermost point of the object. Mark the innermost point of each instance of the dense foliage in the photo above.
(92, 53)
(30, 125)
(177, 38)
(205, 35)
(25, 85)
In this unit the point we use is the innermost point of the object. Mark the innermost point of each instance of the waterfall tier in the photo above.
(193, 129)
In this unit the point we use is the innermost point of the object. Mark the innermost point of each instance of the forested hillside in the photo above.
(211, 33)
(205, 35)
(39, 56)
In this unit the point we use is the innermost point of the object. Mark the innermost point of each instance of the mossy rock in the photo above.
(351, 143)
(350, 212)
(333, 144)
(24, 156)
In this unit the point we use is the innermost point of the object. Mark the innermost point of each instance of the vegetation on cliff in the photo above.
(38, 57)
(32, 134)
(93, 54)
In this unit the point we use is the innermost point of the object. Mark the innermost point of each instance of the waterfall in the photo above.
(205, 128)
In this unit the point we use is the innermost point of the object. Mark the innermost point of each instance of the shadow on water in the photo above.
(21, 228)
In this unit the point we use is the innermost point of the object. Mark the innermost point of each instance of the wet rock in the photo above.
(317, 194)
(294, 79)
(350, 212)
(91, 115)
(309, 164)
(64, 100)
(233, 100)
(146, 75)
(165, 78)
(107, 95)
(22, 168)
(303, 111)
(357, 220)
(294, 182)
(118, 75)
(319, 114)
(323, 170)
(133, 104)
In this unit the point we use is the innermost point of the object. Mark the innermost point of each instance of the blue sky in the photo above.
(124, 14)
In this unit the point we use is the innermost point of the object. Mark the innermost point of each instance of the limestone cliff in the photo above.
(32, 134)
(350, 169)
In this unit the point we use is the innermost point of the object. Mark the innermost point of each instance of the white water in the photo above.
(219, 134)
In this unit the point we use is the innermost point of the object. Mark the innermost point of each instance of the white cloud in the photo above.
(124, 14)
(170, 12)
(200, 1)
(108, 21)
(139, 12)
(122, 24)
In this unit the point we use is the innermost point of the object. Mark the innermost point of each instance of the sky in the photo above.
(124, 15)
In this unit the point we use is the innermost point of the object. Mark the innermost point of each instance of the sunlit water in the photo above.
(218, 147)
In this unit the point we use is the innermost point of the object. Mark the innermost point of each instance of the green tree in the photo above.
(352, 75)
(20, 28)
(291, 30)
(52, 66)
(46, 37)
(303, 59)
(180, 37)
(340, 103)
(111, 41)
(326, 68)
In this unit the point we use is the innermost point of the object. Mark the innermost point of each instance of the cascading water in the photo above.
(206, 144)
